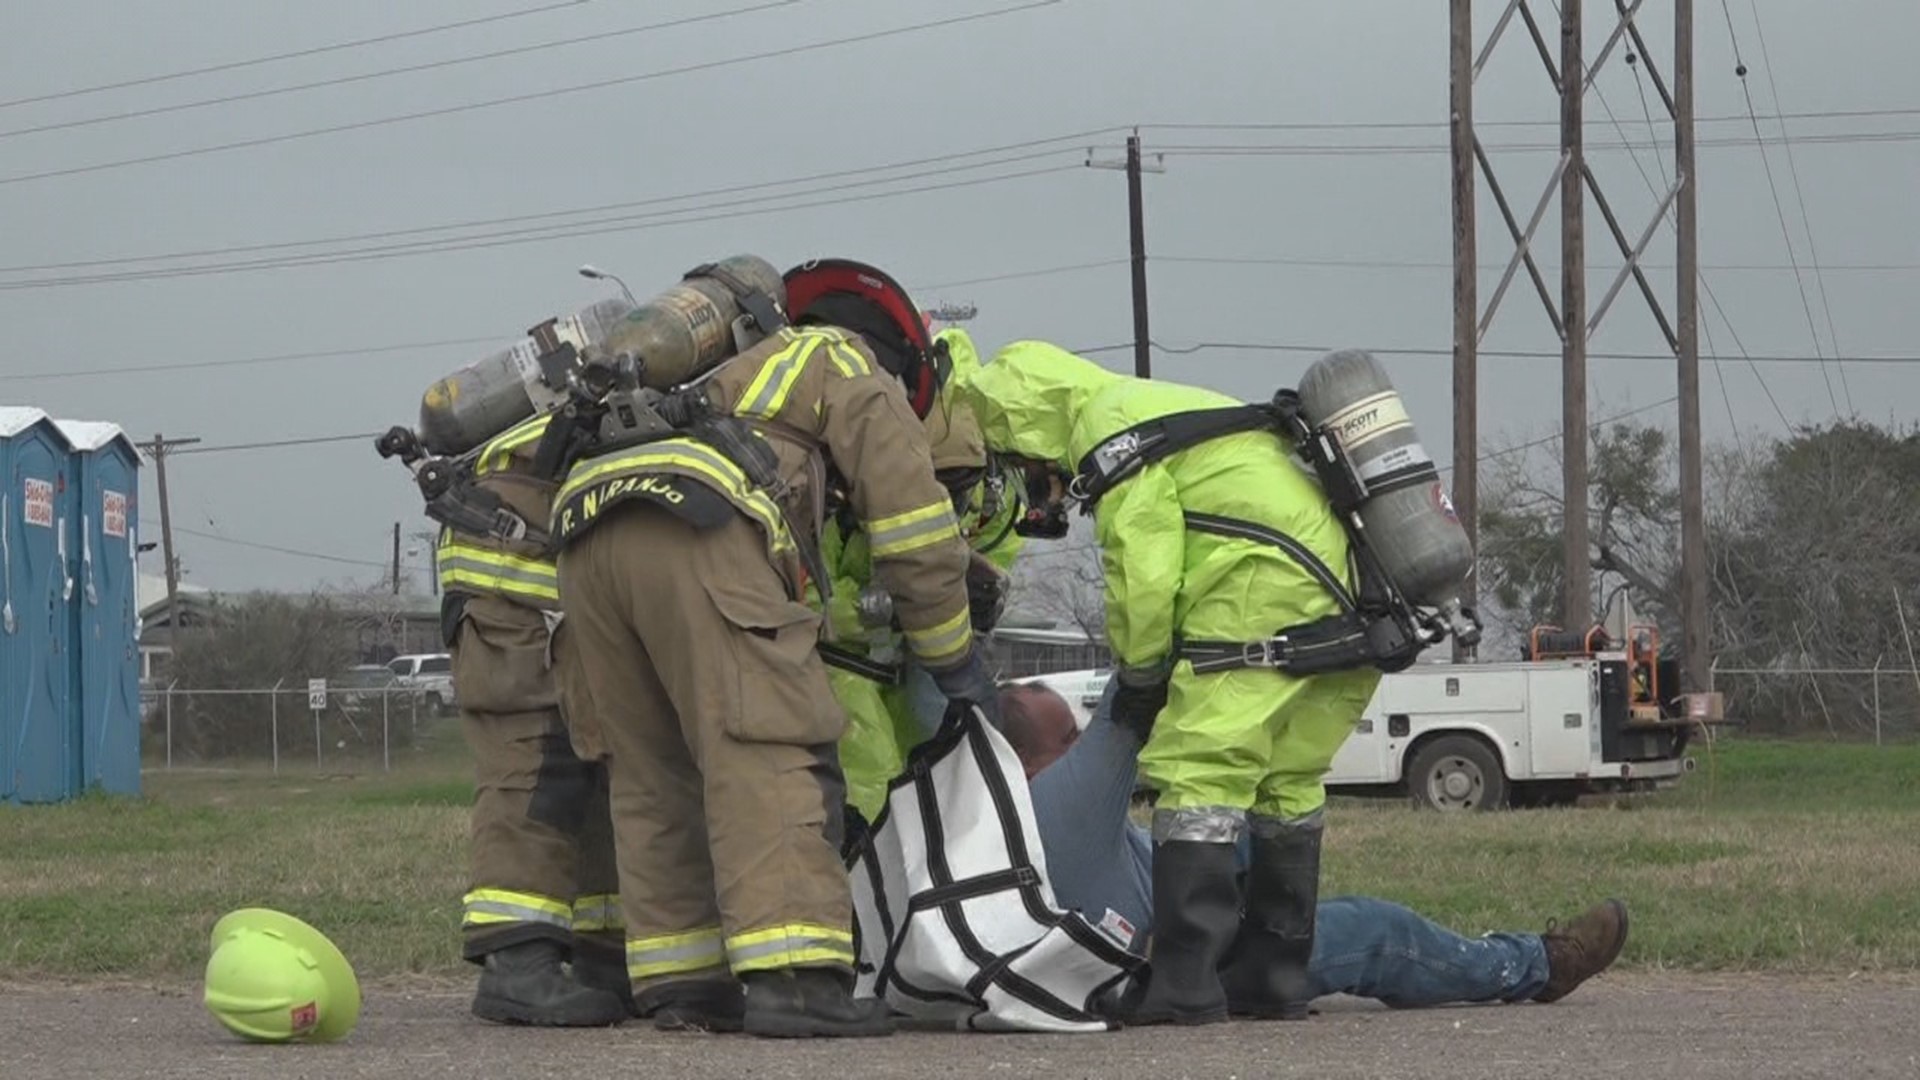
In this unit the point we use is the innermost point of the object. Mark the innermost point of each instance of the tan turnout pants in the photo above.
(541, 848)
(683, 664)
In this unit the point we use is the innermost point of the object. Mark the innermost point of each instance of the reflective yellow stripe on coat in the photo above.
(470, 568)
(686, 457)
(497, 455)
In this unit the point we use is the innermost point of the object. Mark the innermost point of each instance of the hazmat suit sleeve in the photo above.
(845, 559)
(1142, 550)
(914, 543)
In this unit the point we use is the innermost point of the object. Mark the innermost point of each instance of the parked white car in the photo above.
(430, 675)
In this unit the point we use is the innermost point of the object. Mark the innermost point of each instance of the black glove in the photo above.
(970, 683)
(1138, 701)
(987, 590)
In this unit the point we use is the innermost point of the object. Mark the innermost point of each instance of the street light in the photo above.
(588, 270)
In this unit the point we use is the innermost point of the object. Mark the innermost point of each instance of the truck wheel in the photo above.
(1456, 773)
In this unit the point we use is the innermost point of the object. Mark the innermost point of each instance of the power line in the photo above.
(1422, 125)
(1511, 354)
(1806, 220)
(412, 346)
(472, 106)
(367, 436)
(507, 238)
(1048, 271)
(1719, 373)
(1517, 448)
(245, 361)
(1773, 188)
(257, 545)
(148, 80)
(1198, 150)
(512, 219)
(1417, 264)
(343, 80)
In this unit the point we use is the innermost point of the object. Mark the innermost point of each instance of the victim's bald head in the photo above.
(1038, 723)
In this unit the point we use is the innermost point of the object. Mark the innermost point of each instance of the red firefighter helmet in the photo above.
(866, 300)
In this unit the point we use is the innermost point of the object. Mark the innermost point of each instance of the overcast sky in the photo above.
(1044, 72)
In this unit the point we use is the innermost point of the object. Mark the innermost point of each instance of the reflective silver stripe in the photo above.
(897, 539)
(692, 956)
(518, 913)
(739, 955)
(1267, 827)
(603, 913)
(545, 576)
(1201, 824)
(778, 375)
(933, 644)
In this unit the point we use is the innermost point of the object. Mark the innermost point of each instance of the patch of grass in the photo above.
(439, 793)
(1796, 856)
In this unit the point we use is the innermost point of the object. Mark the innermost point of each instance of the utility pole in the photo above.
(1572, 182)
(1466, 302)
(1137, 243)
(396, 558)
(1693, 526)
(158, 449)
(1576, 549)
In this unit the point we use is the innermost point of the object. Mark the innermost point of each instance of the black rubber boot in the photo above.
(796, 1003)
(525, 984)
(1196, 910)
(1266, 975)
(600, 966)
(716, 1005)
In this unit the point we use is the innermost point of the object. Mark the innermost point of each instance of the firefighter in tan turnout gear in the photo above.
(543, 878)
(687, 658)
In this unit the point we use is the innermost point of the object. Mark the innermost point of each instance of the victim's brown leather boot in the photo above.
(1583, 948)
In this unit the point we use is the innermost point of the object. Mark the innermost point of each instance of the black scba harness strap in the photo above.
(1376, 626)
(864, 666)
(963, 727)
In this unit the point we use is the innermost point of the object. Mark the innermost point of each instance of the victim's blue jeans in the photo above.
(1100, 862)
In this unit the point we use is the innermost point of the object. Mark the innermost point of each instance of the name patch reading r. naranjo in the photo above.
(693, 502)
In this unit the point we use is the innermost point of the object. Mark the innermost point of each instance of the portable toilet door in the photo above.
(36, 515)
(106, 603)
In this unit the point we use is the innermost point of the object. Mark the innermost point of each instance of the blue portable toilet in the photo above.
(107, 605)
(38, 733)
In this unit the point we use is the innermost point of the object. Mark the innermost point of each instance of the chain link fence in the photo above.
(1881, 702)
(358, 730)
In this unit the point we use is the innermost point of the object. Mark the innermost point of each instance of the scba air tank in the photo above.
(1408, 516)
(483, 399)
(688, 328)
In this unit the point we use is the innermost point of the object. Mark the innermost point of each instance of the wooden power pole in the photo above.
(1695, 645)
(1135, 165)
(1572, 181)
(1576, 605)
(158, 450)
(1466, 303)
(396, 558)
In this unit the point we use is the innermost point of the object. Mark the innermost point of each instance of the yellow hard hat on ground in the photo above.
(273, 978)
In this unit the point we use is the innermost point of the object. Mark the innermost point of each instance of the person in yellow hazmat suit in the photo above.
(870, 673)
(1212, 543)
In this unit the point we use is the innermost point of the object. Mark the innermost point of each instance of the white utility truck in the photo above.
(1584, 714)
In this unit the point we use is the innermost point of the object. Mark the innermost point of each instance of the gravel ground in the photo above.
(1628, 1025)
